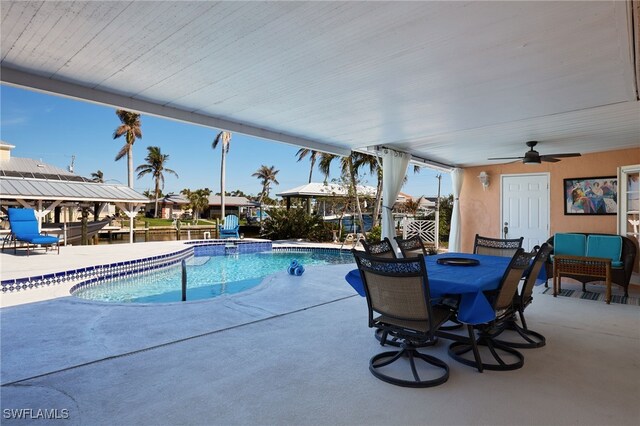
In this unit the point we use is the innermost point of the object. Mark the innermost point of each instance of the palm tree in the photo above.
(366, 160)
(130, 127)
(149, 194)
(412, 205)
(198, 200)
(223, 138)
(349, 168)
(267, 176)
(155, 165)
(238, 193)
(372, 162)
(313, 156)
(97, 176)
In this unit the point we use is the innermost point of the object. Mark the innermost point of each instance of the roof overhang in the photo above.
(452, 83)
(67, 191)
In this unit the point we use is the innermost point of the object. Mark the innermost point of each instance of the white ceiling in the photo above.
(452, 82)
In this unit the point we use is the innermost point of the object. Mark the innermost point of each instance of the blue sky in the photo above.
(53, 129)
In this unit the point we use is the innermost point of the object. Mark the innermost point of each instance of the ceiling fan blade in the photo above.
(548, 159)
(506, 158)
(566, 155)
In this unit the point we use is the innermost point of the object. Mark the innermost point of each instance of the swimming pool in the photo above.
(207, 276)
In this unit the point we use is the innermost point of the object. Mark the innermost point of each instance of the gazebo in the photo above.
(47, 189)
(317, 190)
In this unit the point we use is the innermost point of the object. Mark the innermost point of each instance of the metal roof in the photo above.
(216, 200)
(454, 82)
(173, 199)
(30, 168)
(46, 189)
(317, 189)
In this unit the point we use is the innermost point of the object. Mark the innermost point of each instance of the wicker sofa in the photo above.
(619, 275)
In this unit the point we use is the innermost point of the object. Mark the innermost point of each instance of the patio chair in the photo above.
(523, 299)
(399, 302)
(230, 227)
(496, 246)
(24, 228)
(411, 247)
(380, 249)
(506, 357)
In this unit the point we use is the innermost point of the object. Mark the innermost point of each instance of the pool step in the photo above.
(230, 248)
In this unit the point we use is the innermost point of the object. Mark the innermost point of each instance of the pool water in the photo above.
(207, 277)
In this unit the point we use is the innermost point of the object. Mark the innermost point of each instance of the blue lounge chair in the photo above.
(230, 227)
(24, 227)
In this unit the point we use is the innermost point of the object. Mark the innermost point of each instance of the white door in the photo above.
(525, 208)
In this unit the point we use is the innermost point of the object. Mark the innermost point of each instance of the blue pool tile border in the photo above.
(97, 274)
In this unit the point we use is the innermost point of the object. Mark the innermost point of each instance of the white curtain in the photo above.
(457, 176)
(394, 166)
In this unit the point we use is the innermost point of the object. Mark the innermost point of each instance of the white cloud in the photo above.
(13, 121)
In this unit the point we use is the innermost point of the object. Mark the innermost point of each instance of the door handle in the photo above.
(506, 229)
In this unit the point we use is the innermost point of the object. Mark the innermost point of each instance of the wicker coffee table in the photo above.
(584, 266)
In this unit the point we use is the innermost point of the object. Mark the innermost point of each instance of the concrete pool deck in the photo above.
(295, 350)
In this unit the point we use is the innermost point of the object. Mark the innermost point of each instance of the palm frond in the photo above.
(121, 130)
(223, 138)
(123, 151)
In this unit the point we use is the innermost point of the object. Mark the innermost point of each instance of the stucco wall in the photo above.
(480, 210)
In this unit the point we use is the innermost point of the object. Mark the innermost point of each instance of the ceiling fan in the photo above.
(533, 157)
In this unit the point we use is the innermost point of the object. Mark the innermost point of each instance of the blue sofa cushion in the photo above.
(570, 244)
(605, 246)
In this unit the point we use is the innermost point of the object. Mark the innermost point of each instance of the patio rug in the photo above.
(588, 295)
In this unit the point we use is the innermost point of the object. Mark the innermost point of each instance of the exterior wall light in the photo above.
(484, 180)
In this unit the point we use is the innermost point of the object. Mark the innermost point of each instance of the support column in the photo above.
(84, 238)
(131, 212)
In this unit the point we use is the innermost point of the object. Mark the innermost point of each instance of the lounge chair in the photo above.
(230, 228)
(24, 228)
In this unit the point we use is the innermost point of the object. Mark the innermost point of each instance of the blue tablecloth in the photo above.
(468, 282)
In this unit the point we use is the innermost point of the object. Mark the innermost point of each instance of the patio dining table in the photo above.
(468, 282)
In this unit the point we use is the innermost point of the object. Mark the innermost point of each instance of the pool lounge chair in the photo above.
(230, 228)
(24, 228)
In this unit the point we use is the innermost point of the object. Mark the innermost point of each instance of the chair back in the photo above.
(23, 222)
(530, 279)
(411, 247)
(508, 287)
(380, 249)
(398, 289)
(496, 246)
(230, 222)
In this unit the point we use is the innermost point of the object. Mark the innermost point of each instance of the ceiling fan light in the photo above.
(531, 160)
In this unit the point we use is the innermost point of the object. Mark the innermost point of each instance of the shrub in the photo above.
(375, 234)
(295, 223)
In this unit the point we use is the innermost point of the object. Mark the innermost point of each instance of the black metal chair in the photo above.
(502, 301)
(382, 248)
(496, 246)
(523, 299)
(399, 303)
(411, 247)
